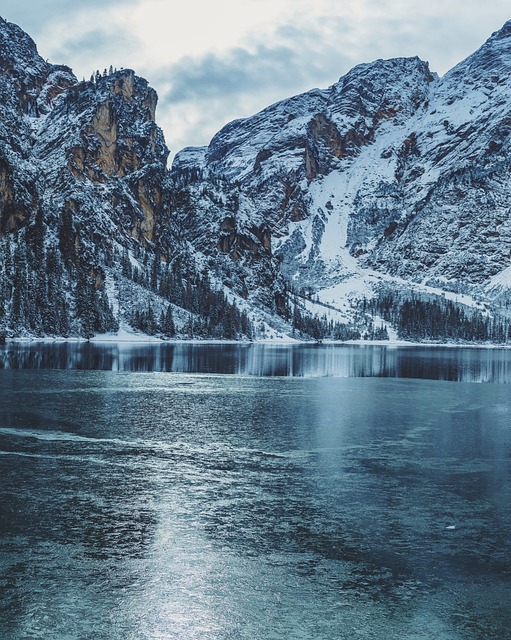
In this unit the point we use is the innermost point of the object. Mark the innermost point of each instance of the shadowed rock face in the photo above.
(27, 87)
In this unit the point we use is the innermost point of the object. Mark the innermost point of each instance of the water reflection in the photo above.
(344, 361)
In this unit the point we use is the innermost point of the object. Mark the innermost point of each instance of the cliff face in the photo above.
(27, 86)
(101, 139)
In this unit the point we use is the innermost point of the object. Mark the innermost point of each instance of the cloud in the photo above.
(235, 73)
(200, 95)
(34, 17)
(98, 48)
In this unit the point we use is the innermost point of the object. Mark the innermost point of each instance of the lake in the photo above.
(227, 492)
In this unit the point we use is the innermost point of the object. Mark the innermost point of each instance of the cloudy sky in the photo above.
(212, 61)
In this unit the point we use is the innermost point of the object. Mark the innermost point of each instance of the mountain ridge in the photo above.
(390, 180)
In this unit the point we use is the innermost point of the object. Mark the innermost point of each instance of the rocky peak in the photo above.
(25, 74)
(382, 89)
(106, 128)
(504, 32)
(308, 133)
(239, 144)
(18, 52)
(489, 64)
(136, 94)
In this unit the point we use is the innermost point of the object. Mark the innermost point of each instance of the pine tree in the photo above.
(126, 263)
(155, 271)
(151, 326)
(167, 325)
(66, 237)
(19, 285)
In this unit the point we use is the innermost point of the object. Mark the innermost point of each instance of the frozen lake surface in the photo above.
(246, 492)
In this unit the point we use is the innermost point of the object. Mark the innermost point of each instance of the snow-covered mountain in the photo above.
(391, 178)
(350, 203)
(87, 237)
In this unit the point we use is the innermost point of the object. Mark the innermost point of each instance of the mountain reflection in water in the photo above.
(464, 364)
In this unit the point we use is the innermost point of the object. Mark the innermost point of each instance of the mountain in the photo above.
(87, 236)
(378, 205)
(391, 179)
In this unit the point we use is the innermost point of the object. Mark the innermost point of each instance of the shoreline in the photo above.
(134, 339)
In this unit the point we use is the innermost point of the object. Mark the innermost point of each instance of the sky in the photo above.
(212, 61)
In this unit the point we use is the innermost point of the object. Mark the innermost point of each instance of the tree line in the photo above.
(44, 293)
(438, 319)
